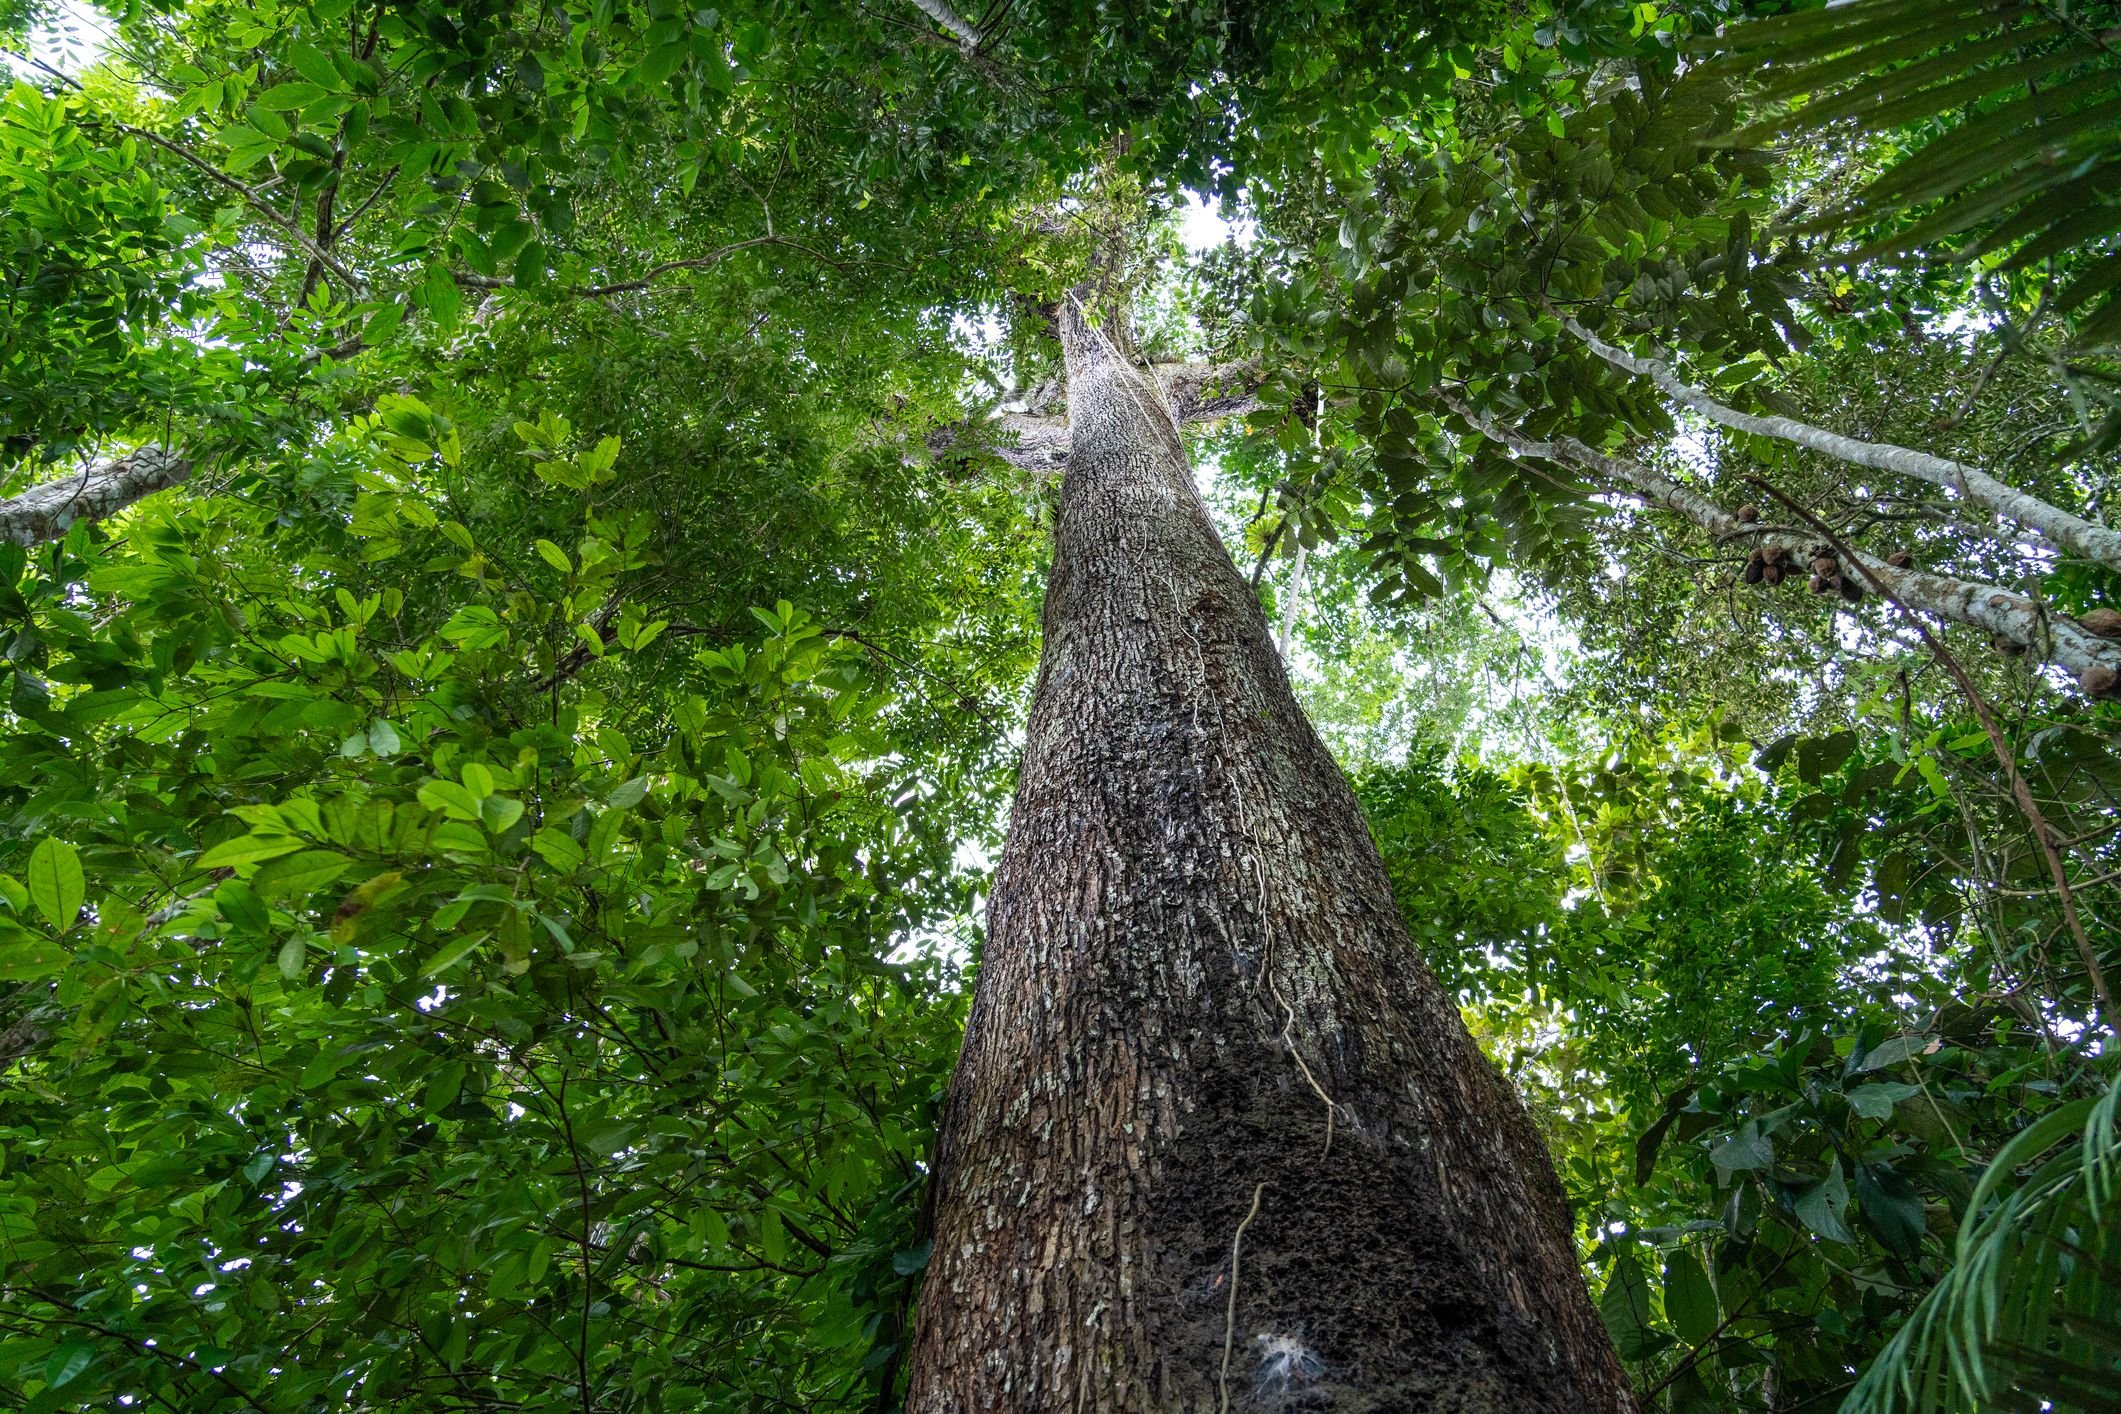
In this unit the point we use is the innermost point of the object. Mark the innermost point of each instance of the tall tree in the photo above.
(1217, 1137)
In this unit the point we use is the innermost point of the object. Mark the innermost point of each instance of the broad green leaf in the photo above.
(1689, 1299)
(1625, 1305)
(286, 97)
(56, 883)
(558, 848)
(26, 956)
(249, 851)
(294, 875)
(451, 953)
(1747, 1149)
(1822, 1205)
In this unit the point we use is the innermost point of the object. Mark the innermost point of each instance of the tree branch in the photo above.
(1018, 438)
(1207, 392)
(963, 32)
(1038, 440)
(256, 201)
(2092, 541)
(44, 512)
(2021, 793)
(2019, 617)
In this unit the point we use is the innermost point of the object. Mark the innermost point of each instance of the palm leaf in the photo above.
(2029, 1313)
(2010, 114)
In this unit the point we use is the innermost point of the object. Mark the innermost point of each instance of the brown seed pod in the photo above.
(2099, 680)
(1819, 586)
(2006, 645)
(1900, 559)
(1826, 566)
(2103, 622)
(1748, 513)
(1772, 574)
(1755, 568)
(1851, 591)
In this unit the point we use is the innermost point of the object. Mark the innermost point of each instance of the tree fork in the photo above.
(1194, 970)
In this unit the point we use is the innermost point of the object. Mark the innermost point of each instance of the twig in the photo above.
(252, 197)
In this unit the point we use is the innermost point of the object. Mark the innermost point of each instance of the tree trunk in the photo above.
(1200, 1025)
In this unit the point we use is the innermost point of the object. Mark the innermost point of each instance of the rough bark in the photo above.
(1217, 1137)
(2019, 617)
(2073, 533)
(44, 512)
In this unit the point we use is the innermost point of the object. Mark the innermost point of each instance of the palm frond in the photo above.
(2010, 116)
(2030, 1312)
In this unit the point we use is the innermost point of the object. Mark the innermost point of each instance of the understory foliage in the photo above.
(490, 870)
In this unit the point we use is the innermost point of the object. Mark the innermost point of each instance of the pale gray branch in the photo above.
(44, 512)
(2019, 617)
(963, 32)
(2092, 541)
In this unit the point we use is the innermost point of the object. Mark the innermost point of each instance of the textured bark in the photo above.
(44, 512)
(2020, 617)
(1197, 995)
(2074, 533)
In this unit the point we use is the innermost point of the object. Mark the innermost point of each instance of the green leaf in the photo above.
(1625, 1305)
(558, 848)
(1891, 1208)
(248, 849)
(27, 956)
(1746, 1150)
(56, 884)
(294, 957)
(314, 66)
(1876, 1100)
(451, 953)
(294, 875)
(1821, 1206)
(499, 812)
(1895, 1050)
(1689, 1298)
(287, 97)
(68, 1361)
(912, 1259)
(451, 799)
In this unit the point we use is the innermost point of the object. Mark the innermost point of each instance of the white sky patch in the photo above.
(1202, 226)
(73, 39)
